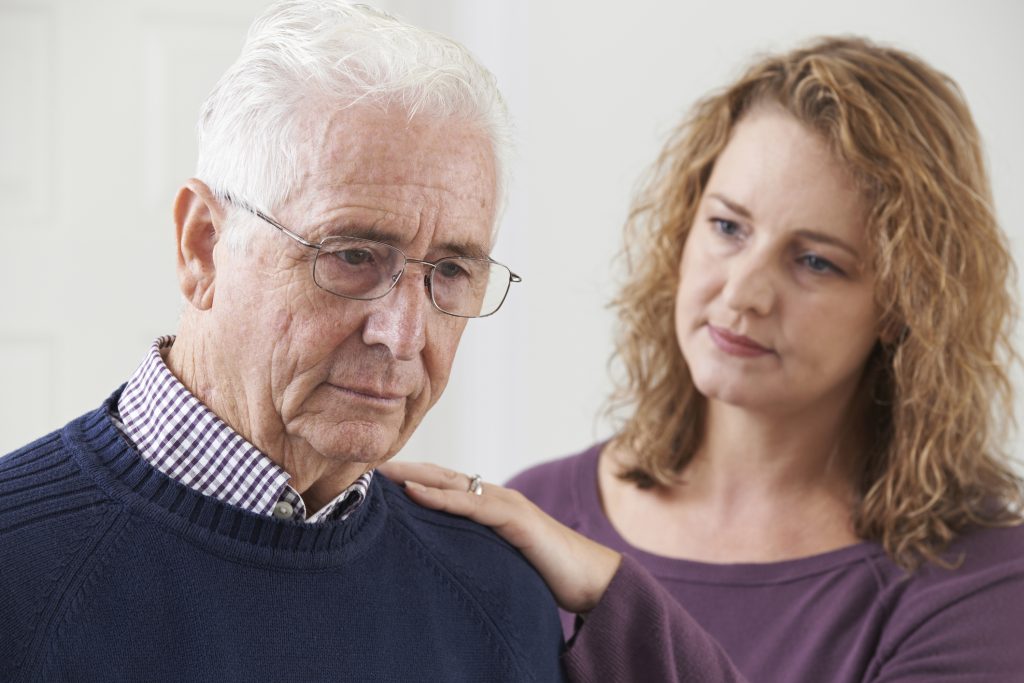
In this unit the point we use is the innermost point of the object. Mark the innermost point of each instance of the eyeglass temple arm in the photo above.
(297, 238)
(259, 214)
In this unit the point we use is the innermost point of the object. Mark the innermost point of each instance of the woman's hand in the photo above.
(575, 568)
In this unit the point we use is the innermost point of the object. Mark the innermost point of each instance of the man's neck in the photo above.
(316, 478)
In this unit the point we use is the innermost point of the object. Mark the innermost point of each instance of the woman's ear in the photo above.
(198, 220)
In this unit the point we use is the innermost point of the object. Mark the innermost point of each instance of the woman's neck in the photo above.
(771, 455)
(758, 489)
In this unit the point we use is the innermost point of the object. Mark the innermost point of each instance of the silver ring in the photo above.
(476, 485)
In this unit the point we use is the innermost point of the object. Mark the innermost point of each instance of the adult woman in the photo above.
(814, 336)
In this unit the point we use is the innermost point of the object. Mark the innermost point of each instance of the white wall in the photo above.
(97, 106)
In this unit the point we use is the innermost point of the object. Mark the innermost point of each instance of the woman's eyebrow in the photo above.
(806, 233)
(733, 206)
(824, 238)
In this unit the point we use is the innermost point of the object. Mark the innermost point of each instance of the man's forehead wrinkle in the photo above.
(374, 146)
(375, 220)
(381, 138)
(376, 167)
(405, 200)
(397, 184)
(426, 185)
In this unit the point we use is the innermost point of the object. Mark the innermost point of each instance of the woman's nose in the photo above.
(751, 285)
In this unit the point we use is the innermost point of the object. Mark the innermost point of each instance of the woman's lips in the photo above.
(736, 344)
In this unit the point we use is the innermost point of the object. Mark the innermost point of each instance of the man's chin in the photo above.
(355, 442)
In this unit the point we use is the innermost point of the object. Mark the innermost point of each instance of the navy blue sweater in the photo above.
(111, 571)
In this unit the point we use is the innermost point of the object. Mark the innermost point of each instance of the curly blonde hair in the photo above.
(938, 392)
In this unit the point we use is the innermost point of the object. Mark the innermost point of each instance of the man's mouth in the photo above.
(378, 396)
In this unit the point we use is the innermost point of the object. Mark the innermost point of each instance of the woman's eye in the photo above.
(819, 264)
(726, 227)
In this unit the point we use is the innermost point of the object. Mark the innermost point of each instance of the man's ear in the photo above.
(198, 220)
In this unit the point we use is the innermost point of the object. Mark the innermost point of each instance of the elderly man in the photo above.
(218, 518)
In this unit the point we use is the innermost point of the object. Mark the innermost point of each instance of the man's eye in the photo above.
(451, 269)
(355, 257)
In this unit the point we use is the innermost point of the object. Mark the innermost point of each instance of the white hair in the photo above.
(305, 53)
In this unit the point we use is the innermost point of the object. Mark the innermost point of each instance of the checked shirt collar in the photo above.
(178, 435)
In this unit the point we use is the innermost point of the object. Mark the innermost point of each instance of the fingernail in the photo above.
(415, 486)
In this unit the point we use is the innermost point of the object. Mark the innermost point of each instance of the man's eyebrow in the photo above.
(454, 248)
(468, 249)
(808, 234)
(371, 233)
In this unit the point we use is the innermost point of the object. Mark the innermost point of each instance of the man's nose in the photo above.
(398, 320)
(751, 286)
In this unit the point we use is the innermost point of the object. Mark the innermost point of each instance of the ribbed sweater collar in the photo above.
(117, 468)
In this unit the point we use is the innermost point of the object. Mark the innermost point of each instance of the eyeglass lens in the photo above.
(364, 269)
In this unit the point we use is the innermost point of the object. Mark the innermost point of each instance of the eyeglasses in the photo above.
(356, 268)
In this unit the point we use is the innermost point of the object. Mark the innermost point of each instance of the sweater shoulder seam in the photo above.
(457, 584)
(66, 584)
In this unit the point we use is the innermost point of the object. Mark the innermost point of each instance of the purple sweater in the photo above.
(846, 615)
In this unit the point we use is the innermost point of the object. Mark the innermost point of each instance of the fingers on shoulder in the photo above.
(423, 473)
